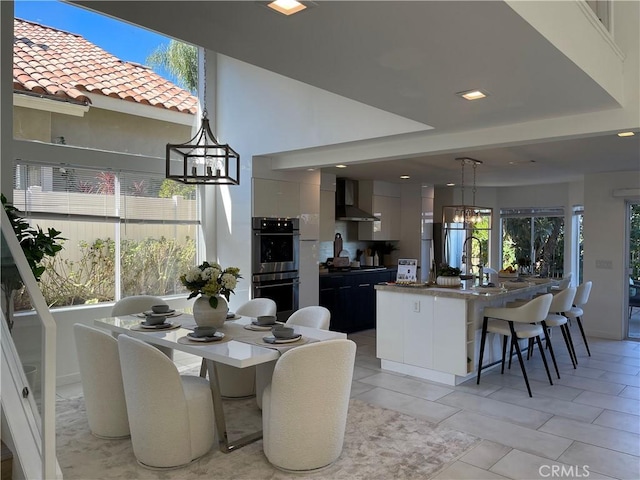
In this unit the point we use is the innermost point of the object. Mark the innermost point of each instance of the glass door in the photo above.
(633, 242)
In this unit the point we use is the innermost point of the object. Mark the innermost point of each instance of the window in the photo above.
(126, 233)
(533, 240)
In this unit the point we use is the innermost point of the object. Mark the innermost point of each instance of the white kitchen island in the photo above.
(434, 332)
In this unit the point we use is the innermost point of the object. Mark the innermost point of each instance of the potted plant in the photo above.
(36, 245)
(448, 276)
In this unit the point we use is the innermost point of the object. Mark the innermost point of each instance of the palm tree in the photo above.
(179, 59)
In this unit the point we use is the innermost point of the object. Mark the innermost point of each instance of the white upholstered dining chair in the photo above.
(101, 380)
(138, 304)
(305, 406)
(313, 316)
(170, 416)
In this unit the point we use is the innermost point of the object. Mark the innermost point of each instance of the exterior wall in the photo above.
(100, 129)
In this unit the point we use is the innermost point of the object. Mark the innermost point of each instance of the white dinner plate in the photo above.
(216, 336)
(162, 326)
(171, 313)
(272, 339)
(268, 326)
(259, 328)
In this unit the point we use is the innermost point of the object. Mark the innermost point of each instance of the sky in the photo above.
(121, 39)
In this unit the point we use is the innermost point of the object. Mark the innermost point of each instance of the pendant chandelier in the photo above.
(203, 160)
(464, 216)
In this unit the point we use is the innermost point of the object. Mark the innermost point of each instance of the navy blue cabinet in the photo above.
(351, 298)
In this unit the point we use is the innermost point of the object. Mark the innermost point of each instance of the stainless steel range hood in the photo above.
(346, 203)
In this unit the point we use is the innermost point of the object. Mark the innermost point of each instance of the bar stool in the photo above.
(562, 302)
(518, 323)
(582, 296)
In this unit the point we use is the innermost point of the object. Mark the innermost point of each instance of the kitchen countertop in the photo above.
(476, 294)
(355, 271)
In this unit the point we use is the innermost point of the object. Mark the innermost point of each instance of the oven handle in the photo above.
(295, 282)
(258, 234)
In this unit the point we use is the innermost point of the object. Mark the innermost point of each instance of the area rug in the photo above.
(379, 444)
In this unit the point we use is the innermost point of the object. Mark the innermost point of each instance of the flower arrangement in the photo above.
(212, 280)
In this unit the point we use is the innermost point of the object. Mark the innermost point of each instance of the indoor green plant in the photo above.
(35, 243)
(448, 276)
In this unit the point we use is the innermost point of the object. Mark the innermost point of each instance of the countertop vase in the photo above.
(207, 316)
(448, 281)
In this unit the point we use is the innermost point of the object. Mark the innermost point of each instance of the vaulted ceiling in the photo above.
(410, 59)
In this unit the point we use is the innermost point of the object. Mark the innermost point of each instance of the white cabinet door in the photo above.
(327, 215)
(450, 335)
(275, 198)
(418, 330)
(388, 227)
(309, 211)
(389, 326)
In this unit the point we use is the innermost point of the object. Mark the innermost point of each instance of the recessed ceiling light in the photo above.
(311, 169)
(451, 184)
(404, 177)
(626, 134)
(287, 7)
(341, 166)
(472, 94)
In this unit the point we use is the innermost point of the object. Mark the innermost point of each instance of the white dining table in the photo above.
(241, 348)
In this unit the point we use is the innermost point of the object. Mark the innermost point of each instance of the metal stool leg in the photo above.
(544, 359)
(504, 352)
(550, 347)
(514, 342)
(584, 337)
(484, 337)
(569, 346)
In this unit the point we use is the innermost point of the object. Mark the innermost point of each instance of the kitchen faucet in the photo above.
(468, 265)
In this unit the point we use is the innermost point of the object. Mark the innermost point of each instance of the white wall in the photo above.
(604, 241)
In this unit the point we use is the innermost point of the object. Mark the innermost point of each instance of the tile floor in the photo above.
(586, 425)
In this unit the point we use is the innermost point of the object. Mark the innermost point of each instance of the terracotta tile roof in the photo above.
(63, 66)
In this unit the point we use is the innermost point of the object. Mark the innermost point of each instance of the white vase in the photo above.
(207, 316)
(448, 281)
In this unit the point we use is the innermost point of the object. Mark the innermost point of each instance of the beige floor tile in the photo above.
(358, 388)
(602, 460)
(516, 436)
(610, 402)
(408, 385)
(555, 406)
(537, 387)
(597, 435)
(486, 454)
(518, 464)
(483, 390)
(620, 421)
(631, 380)
(631, 392)
(416, 407)
(608, 366)
(464, 471)
(491, 407)
(361, 372)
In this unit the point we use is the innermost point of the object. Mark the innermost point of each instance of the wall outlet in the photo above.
(416, 306)
(604, 264)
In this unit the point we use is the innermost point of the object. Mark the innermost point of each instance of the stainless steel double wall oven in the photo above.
(275, 266)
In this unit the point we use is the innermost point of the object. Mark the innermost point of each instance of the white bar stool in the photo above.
(518, 323)
(582, 296)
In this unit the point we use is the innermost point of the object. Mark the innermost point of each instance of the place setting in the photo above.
(201, 336)
(281, 334)
(156, 319)
(263, 323)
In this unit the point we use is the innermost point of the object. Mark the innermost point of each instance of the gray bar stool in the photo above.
(517, 323)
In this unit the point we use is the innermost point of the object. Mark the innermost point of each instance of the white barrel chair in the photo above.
(241, 382)
(101, 380)
(305, 406)
(313, 316)
(170, 416)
